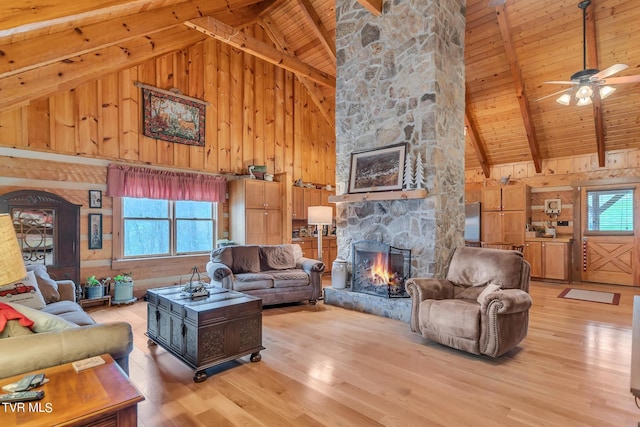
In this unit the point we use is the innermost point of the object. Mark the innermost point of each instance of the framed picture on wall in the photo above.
(95, 198)
(95, 231)
(380, 169)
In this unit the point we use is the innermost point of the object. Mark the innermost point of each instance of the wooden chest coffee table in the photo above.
(205, 331)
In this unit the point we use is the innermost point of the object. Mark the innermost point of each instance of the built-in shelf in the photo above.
(419, 193)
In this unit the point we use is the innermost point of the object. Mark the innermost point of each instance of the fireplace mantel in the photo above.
(419, 193)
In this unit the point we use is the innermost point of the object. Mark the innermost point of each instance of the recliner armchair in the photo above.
(464, 311)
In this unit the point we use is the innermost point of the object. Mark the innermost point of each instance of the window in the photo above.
(163, 227)
(610, 210)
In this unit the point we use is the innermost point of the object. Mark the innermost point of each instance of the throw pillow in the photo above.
(47, 285)
(278, 257)
(246, 259)
(13, 328)
(489, 289)
(24, 291)
(43, 322)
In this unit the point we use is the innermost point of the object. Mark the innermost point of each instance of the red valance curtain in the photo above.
(129, 181)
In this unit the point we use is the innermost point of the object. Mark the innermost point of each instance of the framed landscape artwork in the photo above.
(173, 117)
(380, 169)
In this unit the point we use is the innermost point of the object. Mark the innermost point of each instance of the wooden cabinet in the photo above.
(255, 212)
(52, 225)
(549, 260)
(329, 250)
(505, 211)
(302, 198)
(298, 210)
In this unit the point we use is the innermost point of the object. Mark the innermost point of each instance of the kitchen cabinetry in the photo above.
(550, 259)
(505, 211)
(255, 212)
(302, 198)
(298, 210)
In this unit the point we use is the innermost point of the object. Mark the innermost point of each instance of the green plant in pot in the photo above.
(123, 288)
(94, 288)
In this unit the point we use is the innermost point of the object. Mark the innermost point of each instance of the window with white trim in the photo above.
(152, 227)
(610, 210)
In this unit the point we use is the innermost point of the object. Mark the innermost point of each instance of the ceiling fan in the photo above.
(587, 82)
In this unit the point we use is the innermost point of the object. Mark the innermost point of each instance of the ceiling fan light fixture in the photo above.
(565, 99)
(583, 101)
(606, 91)
(584, 91)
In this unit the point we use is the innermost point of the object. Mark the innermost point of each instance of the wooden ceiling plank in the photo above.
(239, 40)
(523, 101)
(592, 62)
(373, 6)
(324, 105)
(45, 81)
(315, 23)
(476, 143)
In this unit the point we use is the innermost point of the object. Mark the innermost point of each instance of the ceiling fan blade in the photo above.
(623, 79)
(615, 68)
(559, 82)
(496, 3)
(553, 94)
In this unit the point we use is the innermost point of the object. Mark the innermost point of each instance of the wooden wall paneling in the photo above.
(164, 80)
(317, 159)
(289, 140)
(181, 152)
(224, 103)
(248, 108)
(298, 124)
(38, 129)
(279, 119)
(11, 126)
(109, 146)
(63, 124)
(210, 94)
(236, 75)
(129, 113)
(259, 99)
(269, 117)
(196, 73)
(147, 146)
(88, 118)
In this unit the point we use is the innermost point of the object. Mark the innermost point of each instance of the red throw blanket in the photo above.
(9, 313)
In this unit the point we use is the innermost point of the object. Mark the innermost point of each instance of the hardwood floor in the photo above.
(327, 366)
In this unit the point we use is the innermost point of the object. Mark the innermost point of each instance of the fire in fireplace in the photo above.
(380, 269)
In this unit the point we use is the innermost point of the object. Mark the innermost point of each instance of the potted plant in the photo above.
(123, 288)
(94, 288)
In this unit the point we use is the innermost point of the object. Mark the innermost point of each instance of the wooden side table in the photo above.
(98, 396)
(90, 302)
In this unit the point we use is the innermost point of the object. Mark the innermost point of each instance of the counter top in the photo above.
(559, 239)
(312, 238)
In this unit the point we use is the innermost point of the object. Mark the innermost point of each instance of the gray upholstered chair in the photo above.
(482, 306)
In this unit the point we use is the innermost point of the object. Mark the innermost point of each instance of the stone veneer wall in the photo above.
(401, 79)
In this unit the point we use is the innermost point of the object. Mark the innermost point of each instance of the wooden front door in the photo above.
(609, 256)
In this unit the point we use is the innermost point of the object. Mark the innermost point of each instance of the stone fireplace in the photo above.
(380, 269)
(401, 80)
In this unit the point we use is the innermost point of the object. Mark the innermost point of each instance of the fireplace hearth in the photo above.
(380, 269)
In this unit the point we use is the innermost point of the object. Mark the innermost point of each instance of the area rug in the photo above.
(593, 296)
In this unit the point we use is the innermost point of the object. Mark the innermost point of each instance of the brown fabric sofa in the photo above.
(464, 311)
(63, 332)
(276, 273)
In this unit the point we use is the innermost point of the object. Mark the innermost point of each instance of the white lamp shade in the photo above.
(11, 261)
(320, 215)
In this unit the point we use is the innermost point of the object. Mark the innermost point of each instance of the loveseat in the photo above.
(63, 332)
(482, 306)
(276, 273)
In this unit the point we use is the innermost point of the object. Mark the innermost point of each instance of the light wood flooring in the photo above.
(328, 366)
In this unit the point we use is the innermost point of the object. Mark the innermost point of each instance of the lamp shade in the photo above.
(11, 261)
(320, 215)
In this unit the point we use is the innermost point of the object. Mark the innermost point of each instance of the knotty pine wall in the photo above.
(258, 114)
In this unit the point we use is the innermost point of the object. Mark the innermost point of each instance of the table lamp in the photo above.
(11, 262)
(320, 215)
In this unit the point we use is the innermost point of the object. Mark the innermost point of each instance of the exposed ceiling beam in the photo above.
(314, 91)
(315, 23)
(523, 101)
(373, 6)
(592, 62)
(20, 89)
(239, 40)
(476, 143)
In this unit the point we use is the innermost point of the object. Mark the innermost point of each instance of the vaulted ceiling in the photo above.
(512, 48)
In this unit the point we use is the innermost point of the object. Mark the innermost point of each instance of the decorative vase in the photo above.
(123, 293)
(94, 292)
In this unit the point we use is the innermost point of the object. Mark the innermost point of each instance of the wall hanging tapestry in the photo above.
(170, 116)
